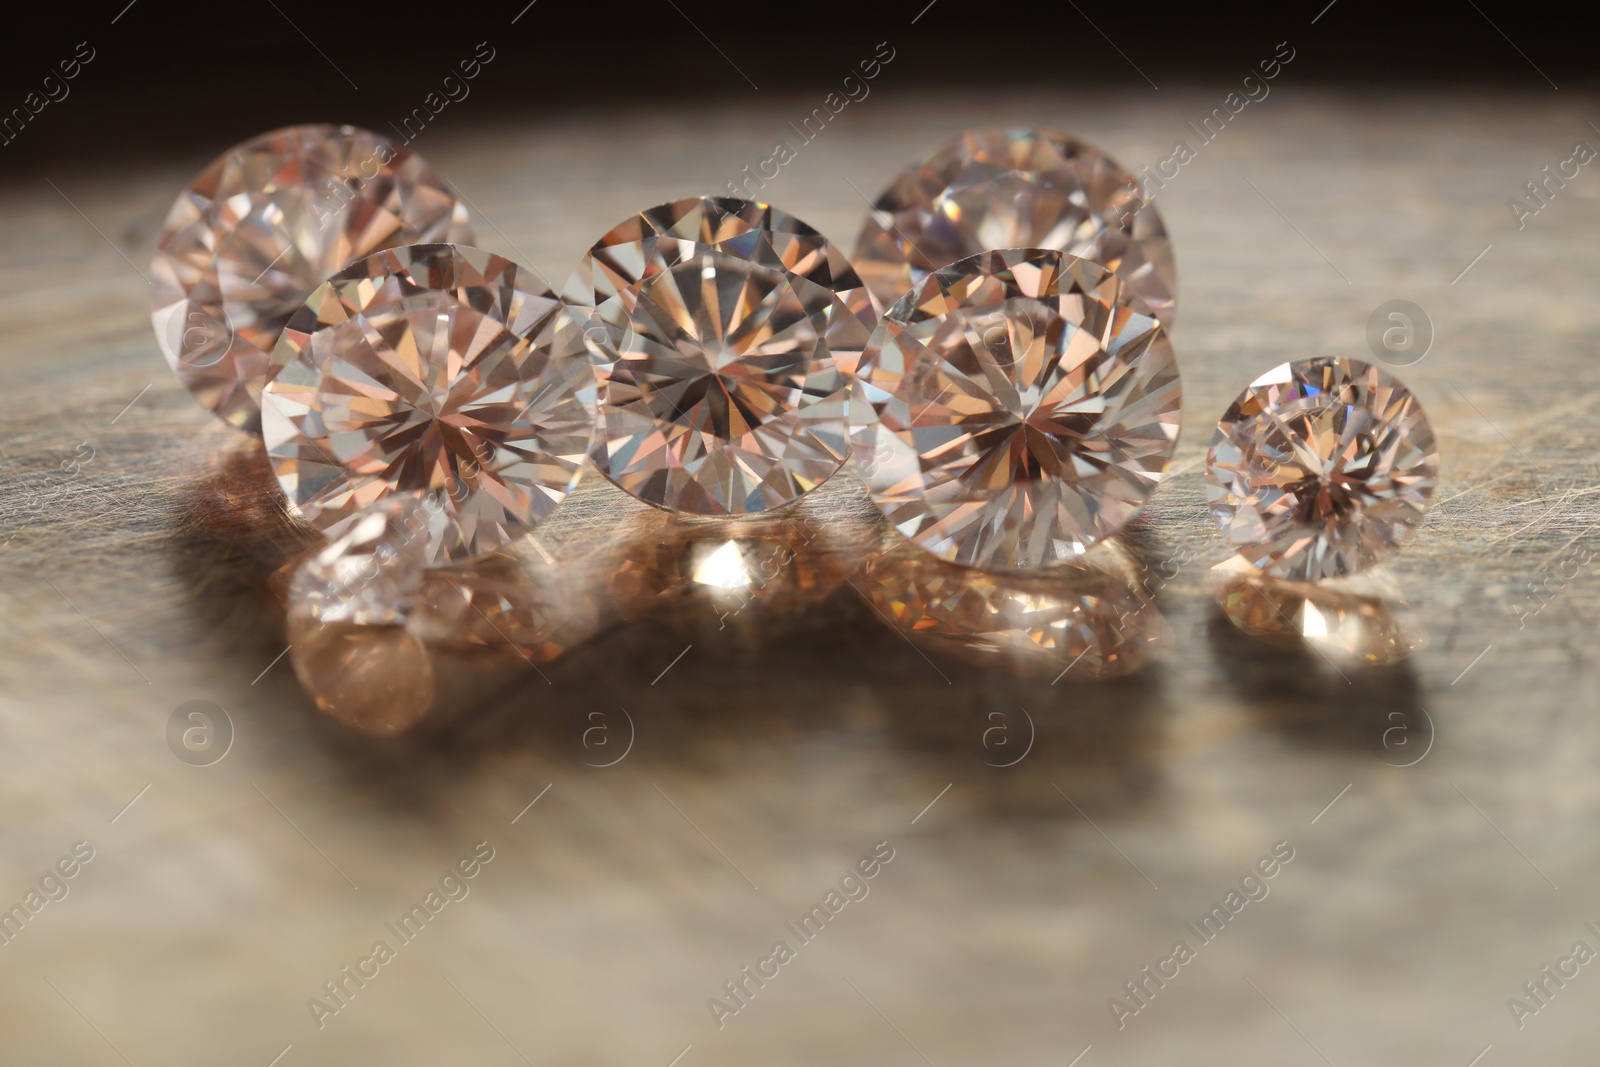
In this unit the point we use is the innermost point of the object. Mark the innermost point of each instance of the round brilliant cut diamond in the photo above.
(261, 227)
(729, 330)
(1321, 468)
(1016, 188)
(434, 370)
(1016, 408)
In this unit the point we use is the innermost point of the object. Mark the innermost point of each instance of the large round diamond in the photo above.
(436, 370)
(1016, 188)
(1320, 468)
(261, 227)
(728, 330)
(1023, 406)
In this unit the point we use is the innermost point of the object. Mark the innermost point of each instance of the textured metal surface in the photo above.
(769, 758)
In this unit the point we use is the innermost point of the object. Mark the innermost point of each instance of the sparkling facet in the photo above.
(727, 331)
(769, 567)
(1016, 188)
(434, 370)
(1321, 468)
(1084, 620)
(261, 227)
(1015, 408)
(371, 574)
(504, 604)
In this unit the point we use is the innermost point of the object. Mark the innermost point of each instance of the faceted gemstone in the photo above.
(261, 227)
(1016, 188)
(1084, 620)
(376, 680)
(1015, 408)
(1361, 619)
(727, 330)
(371, 574)
(348, 605)
(504, 604)
(435, 370)
(1321, 468)
(377, 639)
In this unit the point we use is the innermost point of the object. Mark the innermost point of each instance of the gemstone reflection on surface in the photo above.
(1362, 619)
(262, 226)
(1084, 620)
(1321, 468)
(381, 642)
(1015, 408)
(1016, 188)
(762, 569)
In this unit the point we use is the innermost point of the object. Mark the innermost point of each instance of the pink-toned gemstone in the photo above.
(1084, 620)
(376, 680)
(263, 225)
(728, 330)
(1321, 468)
(1016, 408)
(438, 371)
(1361, 619)
(1016, 188)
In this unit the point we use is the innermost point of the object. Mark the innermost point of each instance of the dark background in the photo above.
(175, 75)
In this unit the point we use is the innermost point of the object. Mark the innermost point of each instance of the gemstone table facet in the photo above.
(261, 227)
(1015, 408)
(435, 370)
(1016, 188)
(728, 330)
(1321, 468)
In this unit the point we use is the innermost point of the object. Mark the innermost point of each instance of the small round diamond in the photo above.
(437, 370)
(261, 227)
(728, 329)
(1321, 468)
(1016, 188)
(1016, 408)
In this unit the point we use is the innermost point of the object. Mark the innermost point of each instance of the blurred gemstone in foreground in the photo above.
(381, 642)
(736, 575)
(1084, 620)
(1362, 619)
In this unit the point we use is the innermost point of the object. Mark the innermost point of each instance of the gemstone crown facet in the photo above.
(727, 331)
(1320, 468)
(435, 370)
(1016, 188)
(263, 225)
(1015, 408)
